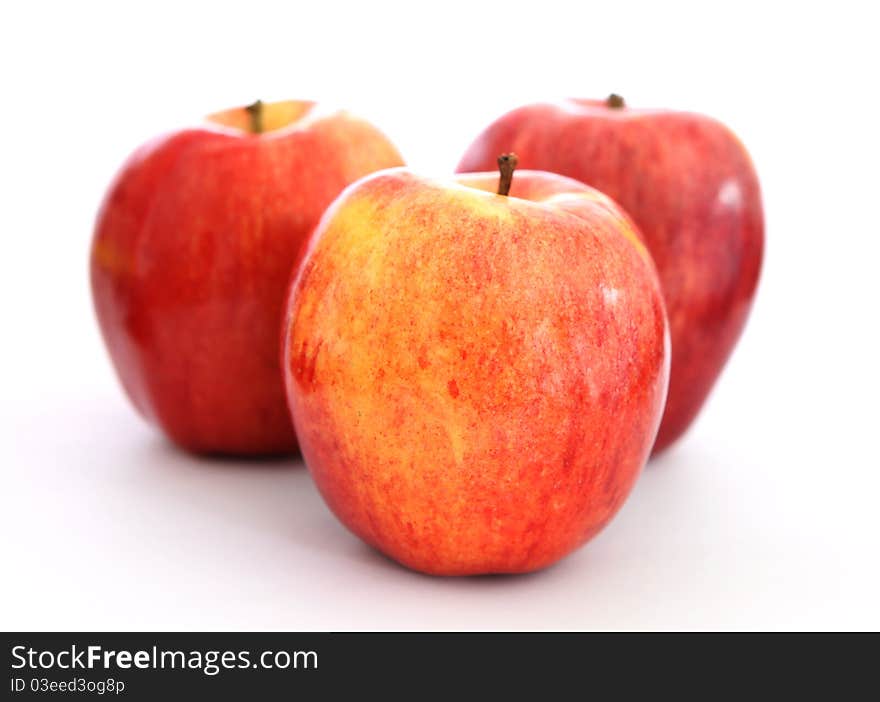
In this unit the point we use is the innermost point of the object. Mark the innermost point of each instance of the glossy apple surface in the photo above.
(476, 380)
(192, 255)
(691, 188)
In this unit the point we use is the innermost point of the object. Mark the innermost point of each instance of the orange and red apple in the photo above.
(692, 190)
(476, 379)
(192, 254)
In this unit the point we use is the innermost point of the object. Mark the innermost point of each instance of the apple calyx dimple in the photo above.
(506, 165)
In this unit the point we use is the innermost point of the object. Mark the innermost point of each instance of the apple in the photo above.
(476, 378)
(192, 255)
(691, 188)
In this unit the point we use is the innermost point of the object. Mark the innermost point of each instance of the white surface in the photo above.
(764, 516)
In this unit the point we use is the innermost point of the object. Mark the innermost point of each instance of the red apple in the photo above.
(476, 379)
(192, 254)
(689, 184)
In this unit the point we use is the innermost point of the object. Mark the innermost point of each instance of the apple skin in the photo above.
(475, 380)
(191, 258)
(692, 190)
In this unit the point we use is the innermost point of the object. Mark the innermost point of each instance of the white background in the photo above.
(764, 516)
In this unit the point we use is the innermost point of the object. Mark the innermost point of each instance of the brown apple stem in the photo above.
(506, 165)
(615, 102)
(256, 114)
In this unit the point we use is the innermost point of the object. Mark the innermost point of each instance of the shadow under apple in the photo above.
(277, 497)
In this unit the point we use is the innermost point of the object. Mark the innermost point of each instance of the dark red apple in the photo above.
(690, 186)
(192, 254)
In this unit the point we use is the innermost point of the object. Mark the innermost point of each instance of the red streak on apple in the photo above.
(691, 188)
(192, 255)
(476, 380)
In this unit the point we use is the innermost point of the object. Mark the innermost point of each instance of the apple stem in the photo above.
(615, 102)
(255, 111)
(506, 165)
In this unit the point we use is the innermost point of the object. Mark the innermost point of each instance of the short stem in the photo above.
(506, 165)
(256, 114)
(615, 102)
